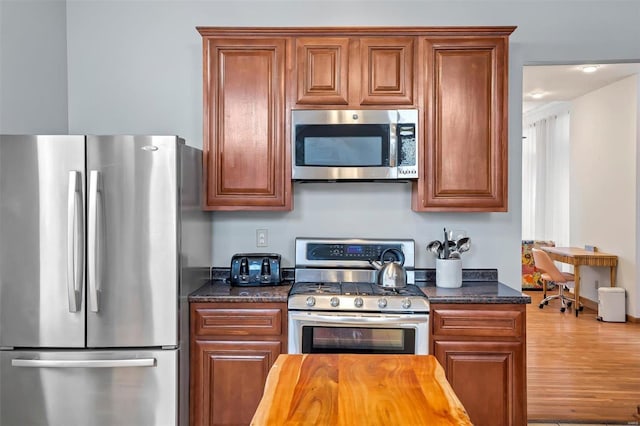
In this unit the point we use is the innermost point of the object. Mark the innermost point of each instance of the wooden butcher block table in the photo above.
(345, 389)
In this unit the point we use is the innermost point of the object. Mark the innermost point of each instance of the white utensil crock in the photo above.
(449, 273)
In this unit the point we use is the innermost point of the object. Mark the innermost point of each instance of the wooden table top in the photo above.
(577, 254)
(352, 389)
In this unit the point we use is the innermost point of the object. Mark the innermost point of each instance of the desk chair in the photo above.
(551, 273)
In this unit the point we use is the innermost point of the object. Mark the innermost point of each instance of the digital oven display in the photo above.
(354, 250)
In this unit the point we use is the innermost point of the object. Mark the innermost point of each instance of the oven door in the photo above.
(365, 333)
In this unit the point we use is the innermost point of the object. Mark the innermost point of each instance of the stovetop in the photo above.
(353, 289)
(356, 296)
(335, 274)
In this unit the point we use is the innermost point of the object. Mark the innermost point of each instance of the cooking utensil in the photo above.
(435, 247)
(390, 274)
(456, 234)
(463, 244)
(445, 251)
(452, 245)
(455, 254)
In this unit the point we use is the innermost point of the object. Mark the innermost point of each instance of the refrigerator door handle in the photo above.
(75, 241)
(86, 363)
(92, 252)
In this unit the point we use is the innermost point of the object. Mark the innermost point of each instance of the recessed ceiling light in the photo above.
(589, 68)
(537, 95)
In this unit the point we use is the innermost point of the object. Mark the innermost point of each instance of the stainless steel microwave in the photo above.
(354, 144)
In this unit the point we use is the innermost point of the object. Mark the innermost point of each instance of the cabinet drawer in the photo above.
(238, 322)
(481, 322)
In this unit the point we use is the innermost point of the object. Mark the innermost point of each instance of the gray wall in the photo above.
(33, 67)
(135, 67)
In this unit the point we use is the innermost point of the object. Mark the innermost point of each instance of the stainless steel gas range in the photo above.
(336, 306)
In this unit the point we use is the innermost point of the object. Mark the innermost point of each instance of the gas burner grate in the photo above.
(409, 290)
(354, 289)
(315, 288)
(357, 289)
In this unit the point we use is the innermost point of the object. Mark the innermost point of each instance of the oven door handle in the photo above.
(347, 320)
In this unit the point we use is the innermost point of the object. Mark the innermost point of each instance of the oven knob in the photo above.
(382, 303)
(406, 303)
(334, 301)
(311, 301)
(358, 302)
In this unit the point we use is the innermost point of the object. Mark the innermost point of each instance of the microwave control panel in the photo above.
(407, 150)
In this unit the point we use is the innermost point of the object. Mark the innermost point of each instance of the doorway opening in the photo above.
(579, 168)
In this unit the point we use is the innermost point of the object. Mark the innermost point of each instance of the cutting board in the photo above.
(353, 389)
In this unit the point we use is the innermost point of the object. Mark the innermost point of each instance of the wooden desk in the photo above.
(577, 257)
(348, 389)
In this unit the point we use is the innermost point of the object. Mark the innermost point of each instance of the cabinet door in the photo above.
(488, 378)
(465, 155)
(323, 70)
(227, 380)
(246, 157)
(386, 71)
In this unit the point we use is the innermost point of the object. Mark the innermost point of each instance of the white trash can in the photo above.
(611, 306)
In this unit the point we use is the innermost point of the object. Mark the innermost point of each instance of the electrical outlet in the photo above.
(262, 238)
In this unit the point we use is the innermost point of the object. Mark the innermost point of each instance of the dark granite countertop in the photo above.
(478, 286)
(474, 292)
(218, 289)
(221, 291)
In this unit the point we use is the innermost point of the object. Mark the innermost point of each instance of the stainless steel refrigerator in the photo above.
(101, 240)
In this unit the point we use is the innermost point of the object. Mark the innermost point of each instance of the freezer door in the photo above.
(42, 241)
(132, 245)
(95, 388)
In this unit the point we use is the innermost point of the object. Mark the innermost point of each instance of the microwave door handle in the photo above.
(75, 241)
(393, 145)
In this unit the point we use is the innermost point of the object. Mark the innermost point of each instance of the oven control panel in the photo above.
(354, 251)
(350, 253)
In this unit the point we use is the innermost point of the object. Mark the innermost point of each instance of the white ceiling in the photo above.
(567, 82)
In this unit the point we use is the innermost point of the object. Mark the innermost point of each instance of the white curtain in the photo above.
(545, 178)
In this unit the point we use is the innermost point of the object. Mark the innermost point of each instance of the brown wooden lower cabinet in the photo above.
(233, 346)
(482, 348)
(483, 351)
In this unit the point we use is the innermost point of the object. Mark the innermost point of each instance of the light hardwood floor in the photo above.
(580, 370)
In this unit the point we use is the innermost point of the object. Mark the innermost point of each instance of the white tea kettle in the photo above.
(390, 274)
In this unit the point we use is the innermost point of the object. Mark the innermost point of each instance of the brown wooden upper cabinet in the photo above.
(464, 166)
(246, 154)
(355, 71)
(455, 76)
